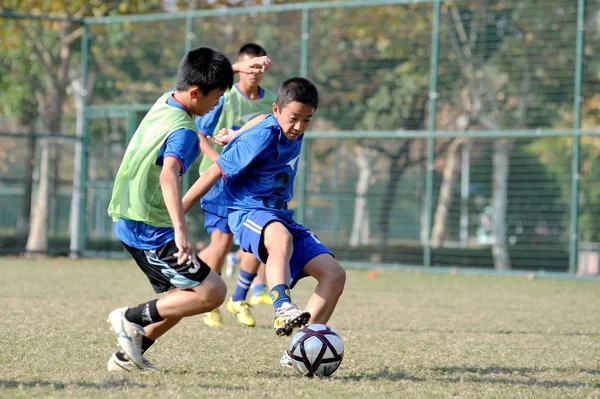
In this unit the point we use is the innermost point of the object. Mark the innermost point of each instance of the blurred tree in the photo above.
(40, 54)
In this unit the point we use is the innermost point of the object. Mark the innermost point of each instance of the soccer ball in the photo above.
(316, 350)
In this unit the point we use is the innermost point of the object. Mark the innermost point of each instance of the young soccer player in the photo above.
(253, 182)
(237, 106)
(146, 206)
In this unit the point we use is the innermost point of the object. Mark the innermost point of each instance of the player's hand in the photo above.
(254, 65)
(224, 136)
(186, 253)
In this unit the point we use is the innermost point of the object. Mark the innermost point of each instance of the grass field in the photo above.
(407, 335)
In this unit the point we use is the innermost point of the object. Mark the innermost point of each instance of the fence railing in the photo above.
(451, 134)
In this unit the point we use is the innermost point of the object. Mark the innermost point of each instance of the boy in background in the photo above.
(239, 105)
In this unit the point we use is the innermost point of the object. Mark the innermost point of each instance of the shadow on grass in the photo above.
(530, 383)
(496, 332)
(56, 385)
(384, 374)
(508, 370)
(483, 372)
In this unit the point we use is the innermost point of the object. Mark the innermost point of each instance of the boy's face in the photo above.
(250, 79)
(202, 103)
(293, 118)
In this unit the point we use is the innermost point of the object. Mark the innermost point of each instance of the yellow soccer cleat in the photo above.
(241, 309)
(261, 298)
(213, 318)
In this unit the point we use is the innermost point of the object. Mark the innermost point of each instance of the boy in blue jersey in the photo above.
(253, 182)
(146, 206)
(236, 107)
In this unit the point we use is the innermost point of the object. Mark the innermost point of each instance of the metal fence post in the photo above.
(303, 164)
(433, 96)
(576, 161)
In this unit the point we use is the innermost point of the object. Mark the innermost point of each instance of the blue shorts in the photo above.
(214, 222)
(249, 227)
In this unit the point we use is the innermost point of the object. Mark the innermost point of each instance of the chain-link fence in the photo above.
(449, 134)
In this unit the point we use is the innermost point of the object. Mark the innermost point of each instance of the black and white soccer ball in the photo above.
(316, 350)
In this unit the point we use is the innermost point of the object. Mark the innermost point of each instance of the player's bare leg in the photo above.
(279, 244)
(208, 295)
(331, 279)
(214, 256)
(216, 251)
(172, 307)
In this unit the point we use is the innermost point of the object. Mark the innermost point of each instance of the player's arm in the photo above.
(253, 65)
(206, 148)
(201, 187)
(226, 135)
(171, 190)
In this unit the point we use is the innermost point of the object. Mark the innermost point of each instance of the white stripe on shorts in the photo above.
(251, 227)
(253, 224)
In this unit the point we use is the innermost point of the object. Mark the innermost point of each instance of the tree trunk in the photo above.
(396, 172)
(438, 232)
(25, 211)
(501, 163)
(51, 111)
(38, 232)
(360, 224)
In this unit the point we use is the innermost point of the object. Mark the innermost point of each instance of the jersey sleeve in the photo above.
(183, 145)
(207, 123)
(242, 151)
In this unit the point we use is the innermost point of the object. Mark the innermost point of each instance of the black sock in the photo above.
(146, 343)
(144, 314)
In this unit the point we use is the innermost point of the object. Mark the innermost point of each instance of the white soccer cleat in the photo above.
(129, 336)
(286, 360)
(230, 265)
(116, 365)
(288, 317)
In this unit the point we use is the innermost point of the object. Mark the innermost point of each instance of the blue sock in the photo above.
(243, 285)
(280, 294)
(259, 288)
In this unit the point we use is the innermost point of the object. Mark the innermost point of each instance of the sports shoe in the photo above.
(129, 336)
(261, 298)
(117, 365)
(241, 309)
(287, 317)
(213, 318)
(286, 360)
(230, 264)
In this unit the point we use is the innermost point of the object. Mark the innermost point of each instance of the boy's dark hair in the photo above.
(204, 67)
(297, 89)
(252, 49)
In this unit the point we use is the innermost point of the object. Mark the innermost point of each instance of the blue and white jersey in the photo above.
(258, 168)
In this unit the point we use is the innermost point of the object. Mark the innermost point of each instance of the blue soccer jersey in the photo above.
(183, 145)
(258, 167)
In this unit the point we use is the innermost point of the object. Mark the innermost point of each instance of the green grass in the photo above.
(406, 335)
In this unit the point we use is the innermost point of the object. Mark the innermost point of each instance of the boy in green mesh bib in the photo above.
(146, 206)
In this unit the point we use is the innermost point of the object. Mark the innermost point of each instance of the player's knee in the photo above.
(278, 238)
(212, 293)
(335, 278)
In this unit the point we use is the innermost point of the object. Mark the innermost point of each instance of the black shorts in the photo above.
(161, 268)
